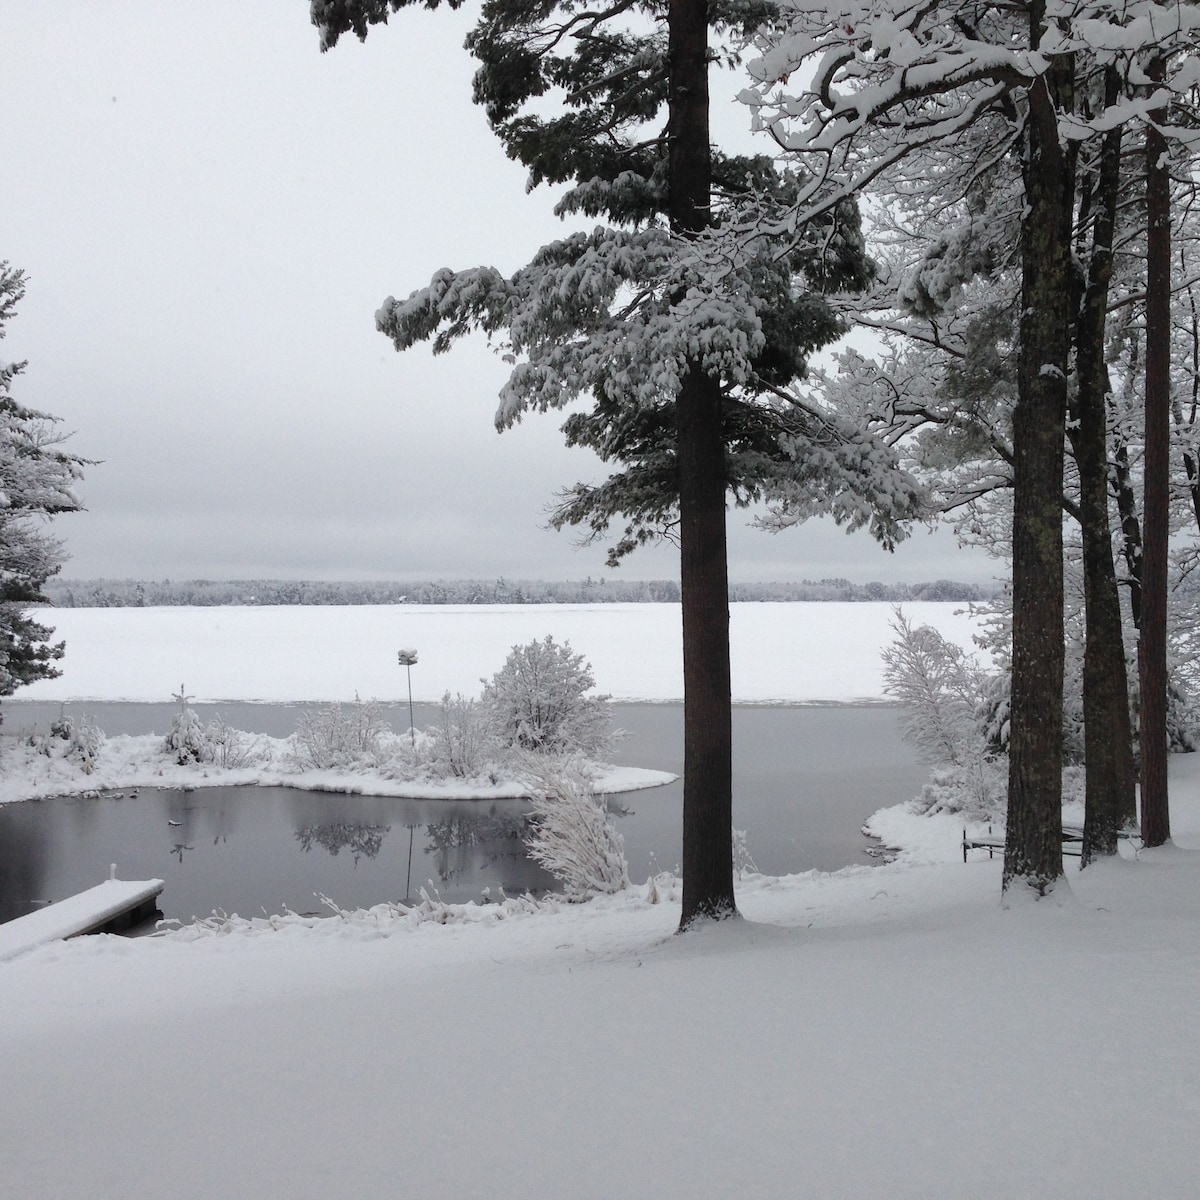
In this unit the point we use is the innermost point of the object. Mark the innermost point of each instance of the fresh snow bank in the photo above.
(796, 652)
(877, 1032)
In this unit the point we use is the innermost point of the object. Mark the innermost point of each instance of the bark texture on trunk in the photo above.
(1033, 842)
(704, 575)
(707, 725)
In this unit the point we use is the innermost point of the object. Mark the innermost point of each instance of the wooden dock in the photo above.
(109, 907)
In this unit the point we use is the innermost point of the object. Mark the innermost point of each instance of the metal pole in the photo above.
(408, 881)
(412, 728)
(408, 658)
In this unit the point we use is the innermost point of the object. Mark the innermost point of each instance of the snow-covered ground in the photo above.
(878, 1032)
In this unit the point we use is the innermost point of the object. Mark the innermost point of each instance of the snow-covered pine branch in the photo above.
(887, 79)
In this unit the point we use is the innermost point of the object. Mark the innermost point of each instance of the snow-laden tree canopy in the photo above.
(884, 78)
(614, 318)
(921, 109)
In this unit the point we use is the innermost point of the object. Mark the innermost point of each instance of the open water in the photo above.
(805, 780)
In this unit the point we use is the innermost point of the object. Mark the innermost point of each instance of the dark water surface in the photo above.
(805, 779)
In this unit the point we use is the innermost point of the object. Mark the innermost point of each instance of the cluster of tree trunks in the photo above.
(1057, 316)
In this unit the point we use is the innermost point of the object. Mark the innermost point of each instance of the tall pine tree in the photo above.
(684, 349)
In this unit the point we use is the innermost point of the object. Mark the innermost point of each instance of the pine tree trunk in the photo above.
(1110, 801)
(1152, 644)
(704, 575)
(1033, 843)
(707, 732)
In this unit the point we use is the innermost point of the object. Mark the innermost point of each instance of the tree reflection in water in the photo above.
(459, 844)
(492, 837)
(363, 841)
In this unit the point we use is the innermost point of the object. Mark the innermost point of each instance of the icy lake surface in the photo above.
(805, 779)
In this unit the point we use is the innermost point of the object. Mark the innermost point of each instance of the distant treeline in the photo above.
(132, 593)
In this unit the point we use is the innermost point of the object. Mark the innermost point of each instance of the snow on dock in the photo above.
(115, 903)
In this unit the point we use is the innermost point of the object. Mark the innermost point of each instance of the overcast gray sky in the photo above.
(209, 211)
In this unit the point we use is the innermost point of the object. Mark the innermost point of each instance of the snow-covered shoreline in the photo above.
(130, 761)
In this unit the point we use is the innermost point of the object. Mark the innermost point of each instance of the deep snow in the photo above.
(878, 1032)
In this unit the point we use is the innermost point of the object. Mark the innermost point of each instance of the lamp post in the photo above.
(408, 659)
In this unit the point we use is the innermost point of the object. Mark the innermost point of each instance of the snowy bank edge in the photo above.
(133, 761)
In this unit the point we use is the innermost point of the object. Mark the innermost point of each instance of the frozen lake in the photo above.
(805, 779)
(781, 653)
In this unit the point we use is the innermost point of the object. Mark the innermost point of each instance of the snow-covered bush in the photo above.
(462, 743)
(570, 833)
(68, 738)
(186, 739)
(976, 789)
(743, 860)
(231, 748)
(339, 736)
(537, 702)
(380, 918)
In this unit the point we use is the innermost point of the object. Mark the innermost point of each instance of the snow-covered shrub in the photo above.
(462, 741)
(570, 832)
(951, 708)
(81, 740)
(995, 713)
(976, 789)
(1183, 722)
(380, 918)
(339, 736)
(186, 739)
(231, 748)
(537, 701)
(87, 740)
(743, 861)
